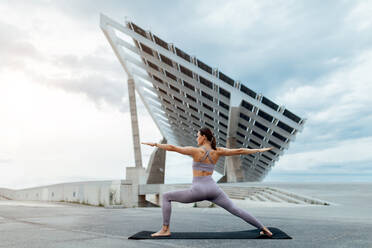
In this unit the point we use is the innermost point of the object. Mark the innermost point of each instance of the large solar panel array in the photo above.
(183, 94)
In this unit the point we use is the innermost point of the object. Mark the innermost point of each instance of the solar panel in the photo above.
(192, 94)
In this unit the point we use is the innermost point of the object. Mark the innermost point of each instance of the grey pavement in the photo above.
(346, 223)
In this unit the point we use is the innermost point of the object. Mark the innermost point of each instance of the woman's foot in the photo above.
(266, 231)
(164, 231)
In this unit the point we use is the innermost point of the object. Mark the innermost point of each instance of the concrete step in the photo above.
(283, 197)
(254, 197)
(267, 194)
(269, 197)
(259, 197)
(304, 199)
(236, 197)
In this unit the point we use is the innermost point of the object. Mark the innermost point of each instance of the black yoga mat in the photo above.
(248, 234)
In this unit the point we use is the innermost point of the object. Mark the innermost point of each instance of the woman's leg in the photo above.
(223, 200)
(184, 196)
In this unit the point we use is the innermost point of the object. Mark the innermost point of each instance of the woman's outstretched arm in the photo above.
(239, 151)
(186, 150)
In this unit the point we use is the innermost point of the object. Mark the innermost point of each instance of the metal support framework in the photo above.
(183, 94)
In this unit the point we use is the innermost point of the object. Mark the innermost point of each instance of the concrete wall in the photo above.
(99, 193)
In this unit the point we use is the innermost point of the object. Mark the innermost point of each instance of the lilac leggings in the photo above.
(204, 188)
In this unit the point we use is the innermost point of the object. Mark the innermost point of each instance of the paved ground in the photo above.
(344, 224)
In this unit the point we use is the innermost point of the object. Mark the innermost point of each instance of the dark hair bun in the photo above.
(210, 137)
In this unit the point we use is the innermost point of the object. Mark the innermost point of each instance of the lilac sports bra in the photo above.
(203, 166)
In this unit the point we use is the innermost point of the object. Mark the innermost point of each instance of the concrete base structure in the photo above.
(129, 195)
(129, 188)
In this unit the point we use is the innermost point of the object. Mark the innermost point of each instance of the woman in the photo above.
(203, 185)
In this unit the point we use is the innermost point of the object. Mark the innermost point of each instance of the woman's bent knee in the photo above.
(166, 196)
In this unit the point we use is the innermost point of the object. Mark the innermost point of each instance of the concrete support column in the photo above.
(134, 122)
(156, 167)
(233, 170)
(234, 173)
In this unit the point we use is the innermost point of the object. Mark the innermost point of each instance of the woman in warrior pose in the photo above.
(203, 186)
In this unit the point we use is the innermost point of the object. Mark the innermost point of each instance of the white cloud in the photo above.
(339, 97)
(336, 105)
(343, 153)
(360, 16)
(62, 135)
(54, 49)
(237, 17)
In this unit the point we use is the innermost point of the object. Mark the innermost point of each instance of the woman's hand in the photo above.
(265, 149)
(149, 143)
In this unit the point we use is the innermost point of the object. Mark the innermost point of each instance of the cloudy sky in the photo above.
(64, 112)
